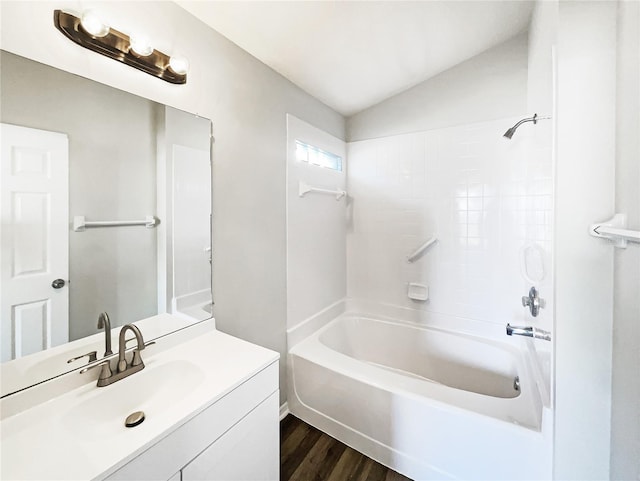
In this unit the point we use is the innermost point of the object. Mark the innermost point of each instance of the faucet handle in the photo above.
(105, 371)
(93, 356)
(533, 302)
(137, 358)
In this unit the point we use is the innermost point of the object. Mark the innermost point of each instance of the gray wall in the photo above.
(112, 171)
(625, 405)
(247, 102)
(489, 86)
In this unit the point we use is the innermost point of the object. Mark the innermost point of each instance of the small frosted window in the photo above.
(314, 155)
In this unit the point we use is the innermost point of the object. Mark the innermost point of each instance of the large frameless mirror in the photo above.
(106, 207)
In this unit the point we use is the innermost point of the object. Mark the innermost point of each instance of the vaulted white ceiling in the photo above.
(354, 54)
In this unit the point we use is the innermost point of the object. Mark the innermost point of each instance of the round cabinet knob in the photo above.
(58, 284)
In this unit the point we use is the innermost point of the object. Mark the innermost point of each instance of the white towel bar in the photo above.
(615, 230)
(305, 188)
(80, 224)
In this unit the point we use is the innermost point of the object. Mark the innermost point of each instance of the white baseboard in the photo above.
(284, 410)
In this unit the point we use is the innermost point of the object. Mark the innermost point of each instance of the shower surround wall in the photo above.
(316, 227)
(484, 197)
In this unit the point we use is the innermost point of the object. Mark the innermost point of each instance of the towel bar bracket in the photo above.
(615, 230)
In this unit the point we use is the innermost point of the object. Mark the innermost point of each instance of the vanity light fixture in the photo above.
(93, 25)
(136, 51)
(141, 46)
(179, 65)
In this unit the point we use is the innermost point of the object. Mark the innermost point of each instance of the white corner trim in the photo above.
(284, 410)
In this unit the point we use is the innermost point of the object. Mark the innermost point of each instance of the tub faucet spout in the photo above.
(528, 331)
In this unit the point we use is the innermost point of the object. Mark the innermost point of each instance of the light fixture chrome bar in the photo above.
(117, 46)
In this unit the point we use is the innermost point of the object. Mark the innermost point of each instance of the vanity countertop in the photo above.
(81, 434)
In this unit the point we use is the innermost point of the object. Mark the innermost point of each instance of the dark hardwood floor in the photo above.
(307, 454)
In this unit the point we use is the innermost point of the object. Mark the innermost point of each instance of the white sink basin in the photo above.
(158, 388)
(79, 433)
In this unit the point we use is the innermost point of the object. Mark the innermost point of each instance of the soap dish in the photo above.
(417, 292)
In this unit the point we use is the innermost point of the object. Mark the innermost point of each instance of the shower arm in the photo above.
(509, 133)
(533, 119)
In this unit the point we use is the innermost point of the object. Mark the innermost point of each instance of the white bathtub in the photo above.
(429, 403)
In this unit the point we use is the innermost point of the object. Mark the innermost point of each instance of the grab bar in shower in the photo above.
(615, 230)
(415, 254)
(305, 188)
(80, 224)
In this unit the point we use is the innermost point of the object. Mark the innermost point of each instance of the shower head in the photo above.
(509, 133)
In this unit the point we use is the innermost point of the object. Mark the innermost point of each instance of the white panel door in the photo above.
(34, 238)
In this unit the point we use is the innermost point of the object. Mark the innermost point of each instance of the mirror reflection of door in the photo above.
(121, 167)
(34, 177)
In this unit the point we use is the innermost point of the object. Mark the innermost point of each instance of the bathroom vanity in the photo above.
(211, 412)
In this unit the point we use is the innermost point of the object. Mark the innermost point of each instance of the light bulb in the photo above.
(92, 24)
(179, 65)
(141, 45)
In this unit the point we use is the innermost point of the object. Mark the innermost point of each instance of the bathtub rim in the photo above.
(422, 318)
(431, 319)
(344, 365)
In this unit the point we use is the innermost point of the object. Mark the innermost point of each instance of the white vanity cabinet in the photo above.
(248, 451)
(211, 412)
(236, 438)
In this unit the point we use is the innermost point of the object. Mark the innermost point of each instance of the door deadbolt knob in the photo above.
(58, 284)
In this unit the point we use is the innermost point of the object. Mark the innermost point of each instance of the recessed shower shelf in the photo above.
(80, 224)
(615, 230)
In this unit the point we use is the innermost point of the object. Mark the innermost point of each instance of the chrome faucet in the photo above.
(124, 369)
(528, 331)
(122, 346)
(105, 323)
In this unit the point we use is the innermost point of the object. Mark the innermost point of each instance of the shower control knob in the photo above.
(58, 284)
(533, 302)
